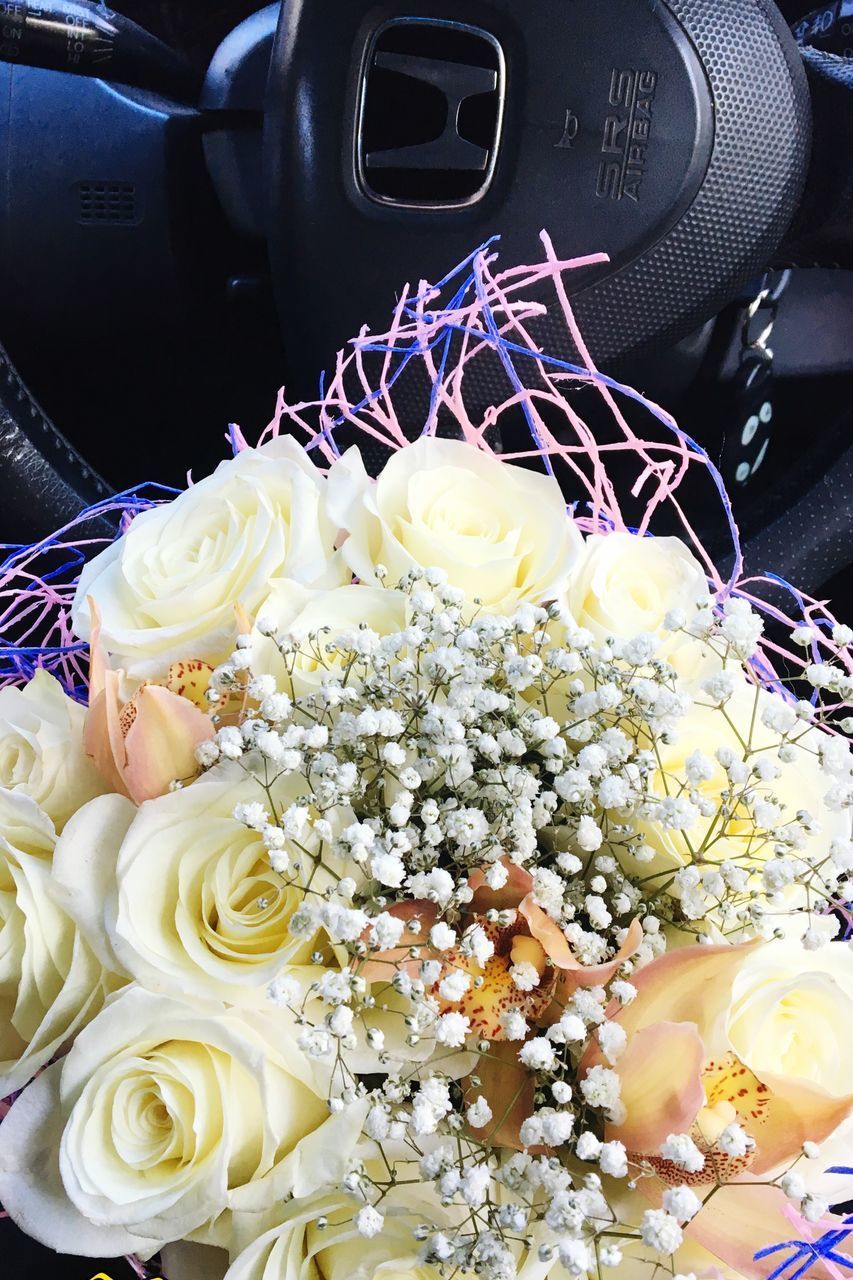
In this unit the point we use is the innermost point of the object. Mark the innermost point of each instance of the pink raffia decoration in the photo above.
(626, 481)
(492, 315)
(37, 584)
(811, 1232)
(137, 1266)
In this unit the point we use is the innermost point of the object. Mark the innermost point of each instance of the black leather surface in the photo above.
(43, 480)
(823, 233)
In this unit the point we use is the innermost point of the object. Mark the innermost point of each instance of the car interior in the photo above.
(201, 201)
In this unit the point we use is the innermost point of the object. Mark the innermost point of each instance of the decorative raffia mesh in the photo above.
(614, 478)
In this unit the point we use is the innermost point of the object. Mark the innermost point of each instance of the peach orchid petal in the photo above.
(103, 739)
(508, 1088)
(486, 1004)
(556, 946)
(692, 984)
(796, 1112)
(659, 1101)
(740, 1220)
(161, 742)
(190, 679)
(518, 885)
(140, 747)
(98, 666)
(382, 965)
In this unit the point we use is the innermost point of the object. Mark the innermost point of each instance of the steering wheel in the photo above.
(693, 142)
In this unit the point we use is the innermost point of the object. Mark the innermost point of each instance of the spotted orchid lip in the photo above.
(497, 993)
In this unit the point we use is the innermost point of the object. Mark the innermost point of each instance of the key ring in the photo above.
(766, 301)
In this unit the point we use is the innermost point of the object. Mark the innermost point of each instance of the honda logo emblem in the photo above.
(430, 115)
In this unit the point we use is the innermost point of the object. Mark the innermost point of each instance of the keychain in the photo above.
(751, 389)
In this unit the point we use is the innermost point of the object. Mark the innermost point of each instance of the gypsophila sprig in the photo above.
(508, 820)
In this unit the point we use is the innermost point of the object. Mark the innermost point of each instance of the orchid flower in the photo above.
(143, 744)
(525, 934)
(679, 1018)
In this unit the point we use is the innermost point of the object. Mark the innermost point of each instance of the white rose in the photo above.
(170, 1119)
(790, 1021)
(51, 983)
(186, 894)
(41, 748)
(298, 612)
(791, 1013)
(500, 532)
(167, 589)
(298, 1250)
(624, 586)
(802, 785)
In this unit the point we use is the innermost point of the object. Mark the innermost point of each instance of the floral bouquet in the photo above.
(422, 877)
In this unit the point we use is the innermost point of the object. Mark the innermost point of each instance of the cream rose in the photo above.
(791, 1013)
(51, 983)
(299, 1250)
(171, 1119)
(167, 589)
(500, 532)
(801, 785)
(41, 748)
(791, 1019)
(624, 586)
(298, 612)
(186, 894)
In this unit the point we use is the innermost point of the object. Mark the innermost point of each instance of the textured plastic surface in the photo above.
(750, 194)
(100, 222)
(85, 38)
(236, 83)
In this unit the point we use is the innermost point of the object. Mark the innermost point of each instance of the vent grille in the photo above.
(107, 202)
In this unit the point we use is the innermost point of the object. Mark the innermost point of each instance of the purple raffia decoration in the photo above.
(475, 312)
(37, 583)
(805, 1252)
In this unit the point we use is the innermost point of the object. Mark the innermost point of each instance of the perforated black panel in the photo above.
(752, 188)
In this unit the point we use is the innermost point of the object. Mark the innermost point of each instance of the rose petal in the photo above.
(84, 866)
(31, 1189)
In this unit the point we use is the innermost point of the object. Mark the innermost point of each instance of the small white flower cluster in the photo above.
(481, 806)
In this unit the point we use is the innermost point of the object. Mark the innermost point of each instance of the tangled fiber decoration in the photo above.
(476, 312)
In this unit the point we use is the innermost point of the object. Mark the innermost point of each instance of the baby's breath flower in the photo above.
(449, 784)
